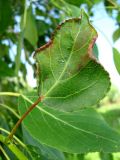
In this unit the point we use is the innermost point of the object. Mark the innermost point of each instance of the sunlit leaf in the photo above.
(116, 35)
(116, 56)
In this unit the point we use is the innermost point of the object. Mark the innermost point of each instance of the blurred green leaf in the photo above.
(116, 35)
(116, 56)
(69, 9)
(70, 156)
(75, 2)
(4, 50)
(106, 156)
(95, 51)
(5, 15)
(30, 30)
(80, 2)
(118, 17)
(112, 117)
(73, 11)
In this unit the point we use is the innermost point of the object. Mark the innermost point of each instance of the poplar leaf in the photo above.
(68, 73)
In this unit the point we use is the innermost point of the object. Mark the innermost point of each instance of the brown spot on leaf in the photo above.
(90, 53)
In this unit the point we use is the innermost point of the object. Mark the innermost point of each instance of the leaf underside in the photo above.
(68, 74)
(75, 132)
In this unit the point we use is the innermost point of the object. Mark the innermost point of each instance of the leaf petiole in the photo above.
(10, 136)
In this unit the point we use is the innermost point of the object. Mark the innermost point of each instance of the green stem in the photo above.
(13, 148)
(10, 109)
(4, 153)
(17, 140)
(9, 94)
(113, 3)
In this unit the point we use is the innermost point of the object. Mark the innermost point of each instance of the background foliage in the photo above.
(24, 26)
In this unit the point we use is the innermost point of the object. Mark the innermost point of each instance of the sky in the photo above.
(105, 27)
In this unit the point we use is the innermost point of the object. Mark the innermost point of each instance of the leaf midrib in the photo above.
(57, 81)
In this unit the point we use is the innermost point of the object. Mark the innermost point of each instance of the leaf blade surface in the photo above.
(75, 132)
(66, 66)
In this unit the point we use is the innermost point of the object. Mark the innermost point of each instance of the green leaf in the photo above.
(116, 35)
(76, 2)
(106, 156)
(5, 71)
(30, 31)
(68, 74)
(38, 149)
(95, 51)
(112, 117)
(70, 156)
(4, 49)
(80, 2)
(75, 132)
(69, 9)
(116, 56)
(118, 17)
(5, 15)
(13, 148)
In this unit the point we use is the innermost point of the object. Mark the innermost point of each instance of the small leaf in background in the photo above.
(75, 2)
(79, 2)
(118, 17)
(73, 11)
(70, 9)
(76, 132)
(95, 51)
(112, 117)
(116, 56)
(65, 67)
(106, 156)
(5, 15)
(116, 35)
(30, 30)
